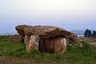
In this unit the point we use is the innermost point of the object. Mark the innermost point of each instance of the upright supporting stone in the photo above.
(56, 45)
(60, 45)
(26, 39)
(33, 43)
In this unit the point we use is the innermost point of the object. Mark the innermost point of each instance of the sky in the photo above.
(68, 14)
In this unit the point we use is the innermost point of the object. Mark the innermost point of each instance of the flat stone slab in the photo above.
(42, 31)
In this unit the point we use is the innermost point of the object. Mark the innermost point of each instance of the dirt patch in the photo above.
(16, 60)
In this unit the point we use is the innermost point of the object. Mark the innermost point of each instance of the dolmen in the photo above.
(47, 39)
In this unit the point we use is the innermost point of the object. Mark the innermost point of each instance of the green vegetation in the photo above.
(77, 55)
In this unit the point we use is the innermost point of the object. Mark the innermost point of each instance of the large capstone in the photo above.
(49, 39)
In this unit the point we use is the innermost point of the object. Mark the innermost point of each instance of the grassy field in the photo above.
(13, 53)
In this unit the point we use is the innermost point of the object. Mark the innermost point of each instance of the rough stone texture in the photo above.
(49, 39)
(56, 45)
(20, 29)
(26, 39)
(15, 38)
(60, 45)
(42, 31)
(33, 43)
(72, 37)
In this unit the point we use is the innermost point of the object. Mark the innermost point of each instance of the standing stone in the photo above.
(26, 39)
(33, 43)
(60, 45)
(56, 45)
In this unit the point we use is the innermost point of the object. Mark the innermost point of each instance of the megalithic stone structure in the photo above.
(49, 39)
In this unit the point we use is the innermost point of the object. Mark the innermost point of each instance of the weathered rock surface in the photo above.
(56, 45)
(26, 39)
(42, 31)
(15, 38)
(33, 43)
(49, 39)
(72, 37)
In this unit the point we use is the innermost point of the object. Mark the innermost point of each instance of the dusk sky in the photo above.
(68, 14)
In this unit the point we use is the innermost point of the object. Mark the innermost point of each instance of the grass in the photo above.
(77, 55)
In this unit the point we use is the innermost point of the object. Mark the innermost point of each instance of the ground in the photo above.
(15, 53)
(17, 60)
